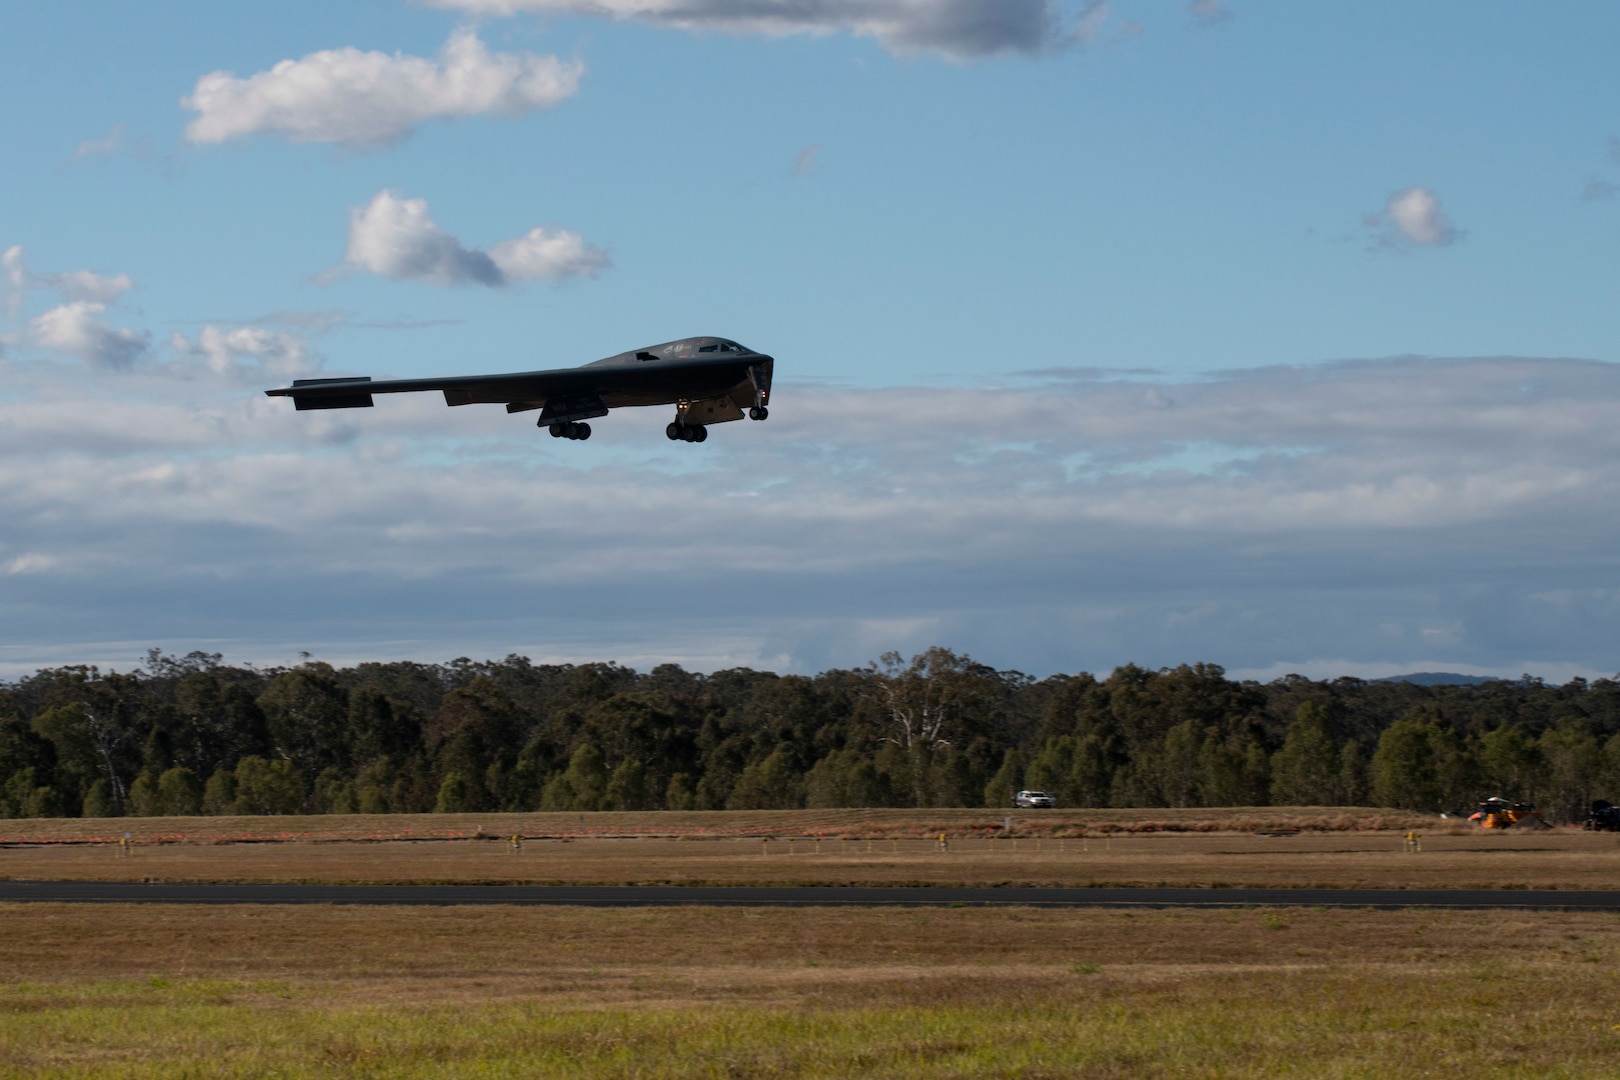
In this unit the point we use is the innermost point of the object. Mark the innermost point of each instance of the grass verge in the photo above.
(294, 992)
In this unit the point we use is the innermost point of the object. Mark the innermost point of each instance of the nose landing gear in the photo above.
(574, 429)
(758, 412)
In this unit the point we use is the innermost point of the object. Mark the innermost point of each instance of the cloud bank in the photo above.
(961, 29)
(397, 238)
(1410, 512)
(371, 99)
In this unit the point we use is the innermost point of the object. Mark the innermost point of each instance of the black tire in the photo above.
(558, 430)
(673, 431)
(699, 434)
(758, 412)
(584, 431)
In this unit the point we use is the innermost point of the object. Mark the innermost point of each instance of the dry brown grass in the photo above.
(606, 955)
(720, 824)
(1557, 859)
(337, 991)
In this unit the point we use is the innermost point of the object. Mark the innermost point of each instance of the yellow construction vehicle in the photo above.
(1499, 813)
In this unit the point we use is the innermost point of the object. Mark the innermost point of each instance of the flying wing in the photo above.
(708, 380)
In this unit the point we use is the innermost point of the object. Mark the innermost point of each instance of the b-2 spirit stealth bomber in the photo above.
(709, 380)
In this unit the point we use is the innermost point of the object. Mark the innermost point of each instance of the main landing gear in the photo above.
(758, 412)
(679, 432)
(574, 429)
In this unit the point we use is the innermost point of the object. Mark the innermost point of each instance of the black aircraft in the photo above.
(709, 380)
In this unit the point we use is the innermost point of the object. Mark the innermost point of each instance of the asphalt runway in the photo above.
(120, 892)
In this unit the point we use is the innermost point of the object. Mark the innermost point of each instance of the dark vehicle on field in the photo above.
(1605, 817)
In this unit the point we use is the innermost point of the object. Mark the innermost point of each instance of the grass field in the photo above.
(172, 991)
(90, 991)
(724, 824)
(802, 849)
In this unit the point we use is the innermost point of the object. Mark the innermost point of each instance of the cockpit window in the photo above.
(731, 346)
(710, 348)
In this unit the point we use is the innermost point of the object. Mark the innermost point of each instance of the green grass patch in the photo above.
(1349, 1024)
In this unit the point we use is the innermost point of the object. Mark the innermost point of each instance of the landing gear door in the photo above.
(760, 376)
(562, 410)
(710, 411)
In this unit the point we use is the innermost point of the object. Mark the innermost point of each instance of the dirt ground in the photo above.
(724, 824)
(124, 990)
(673, 955)
(1555, 859)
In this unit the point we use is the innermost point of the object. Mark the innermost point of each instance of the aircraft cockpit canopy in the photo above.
(712, 346)
(691, 347)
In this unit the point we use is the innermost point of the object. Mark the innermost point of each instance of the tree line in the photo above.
(194, 735)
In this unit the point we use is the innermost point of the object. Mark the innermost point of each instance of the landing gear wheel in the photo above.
(674, 432)
(582, 431)
(758, 412)
(699, 434)
(558, 430)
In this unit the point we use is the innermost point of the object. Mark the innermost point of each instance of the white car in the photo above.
(1033, 800)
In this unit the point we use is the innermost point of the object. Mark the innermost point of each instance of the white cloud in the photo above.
(551, 255)
(1337, 510)
(1412, 217)
(31, 563)
(87, 286)
(76, 328)
(397, 238)
(371, 99)
(808, 160)
(107, 144)
(1209, 11)
(16, 277)
(222, 349)
(962, 29)
(73, 284)
(1092, 19)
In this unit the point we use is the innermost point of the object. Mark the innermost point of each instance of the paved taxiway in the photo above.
(120, 892)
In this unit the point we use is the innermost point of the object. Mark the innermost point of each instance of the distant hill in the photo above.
(1441, 678)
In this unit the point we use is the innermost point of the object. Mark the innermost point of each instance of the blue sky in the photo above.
(1275, 335)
